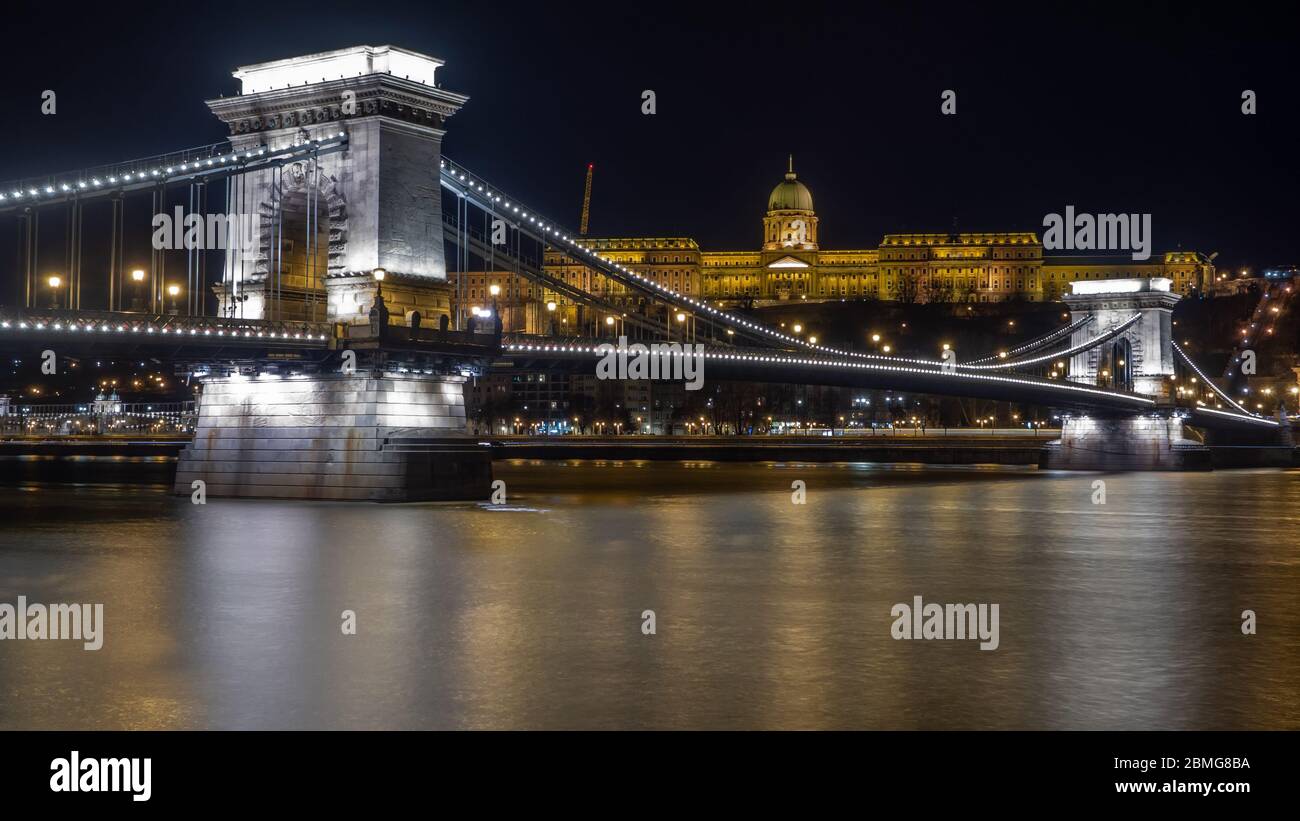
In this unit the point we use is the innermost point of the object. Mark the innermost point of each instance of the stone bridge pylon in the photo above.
(1140, 359)
(321, 227)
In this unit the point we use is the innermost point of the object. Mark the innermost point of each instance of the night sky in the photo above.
(1109, 109)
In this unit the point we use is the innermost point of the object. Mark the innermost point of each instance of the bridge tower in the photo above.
(320, 228)
(1140, 359)
(353, 238)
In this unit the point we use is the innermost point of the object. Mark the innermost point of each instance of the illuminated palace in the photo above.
(791, 265)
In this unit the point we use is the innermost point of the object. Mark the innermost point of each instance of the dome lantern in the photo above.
(790, 194)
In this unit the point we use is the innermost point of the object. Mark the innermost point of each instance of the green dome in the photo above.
(790, 194)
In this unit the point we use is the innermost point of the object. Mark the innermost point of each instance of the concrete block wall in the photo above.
(332, 437)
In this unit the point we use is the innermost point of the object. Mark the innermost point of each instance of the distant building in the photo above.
(790, 264)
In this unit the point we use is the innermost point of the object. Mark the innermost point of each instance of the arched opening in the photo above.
(1122, 356)
(303, 258)
(302, 241)
(1115, 365)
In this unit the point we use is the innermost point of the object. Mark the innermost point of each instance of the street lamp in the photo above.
(137, 295)
(173, 291)
(54, 282)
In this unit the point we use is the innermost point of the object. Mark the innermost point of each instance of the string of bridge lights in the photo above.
(164, 330)
(1250, 417)
(159, 173)
(1114, 331)
(786, 360)
(790, 360)
(1034, 343)
(596, 350)
(1188, 360)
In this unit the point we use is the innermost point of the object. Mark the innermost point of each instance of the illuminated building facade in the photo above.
(790, 264)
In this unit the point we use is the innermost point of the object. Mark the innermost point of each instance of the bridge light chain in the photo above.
(221, 331)
(1187, 359)
(162, 171)
(787, 360)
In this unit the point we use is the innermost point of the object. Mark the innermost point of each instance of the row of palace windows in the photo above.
(652, 260)
(995, 270)
(1000, 253)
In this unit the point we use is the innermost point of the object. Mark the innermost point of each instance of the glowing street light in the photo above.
(137, 295)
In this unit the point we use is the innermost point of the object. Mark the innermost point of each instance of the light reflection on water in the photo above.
(770, 614)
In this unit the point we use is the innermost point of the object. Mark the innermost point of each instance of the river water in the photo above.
(768, 614)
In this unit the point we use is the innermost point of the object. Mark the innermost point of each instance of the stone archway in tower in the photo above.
(295, 261)
(1122, 364)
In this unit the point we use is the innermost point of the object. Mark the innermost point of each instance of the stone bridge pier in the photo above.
(1139, 360)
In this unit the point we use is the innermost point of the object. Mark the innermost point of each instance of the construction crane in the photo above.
(586, 201)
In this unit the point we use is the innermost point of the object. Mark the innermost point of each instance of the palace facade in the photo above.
(790, 264)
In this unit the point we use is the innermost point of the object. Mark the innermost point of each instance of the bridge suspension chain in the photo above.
(1222, 395)
(1088, 344)
(1036, 344)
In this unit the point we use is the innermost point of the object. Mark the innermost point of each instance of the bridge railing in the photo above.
(104, 322)
(97, 418)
